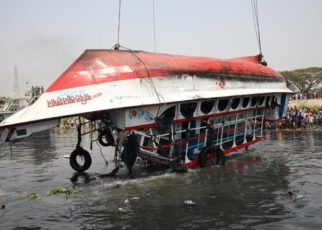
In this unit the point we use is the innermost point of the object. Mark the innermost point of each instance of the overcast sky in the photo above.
(43, 37)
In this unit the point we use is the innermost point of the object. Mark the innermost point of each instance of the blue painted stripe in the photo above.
(282, 106)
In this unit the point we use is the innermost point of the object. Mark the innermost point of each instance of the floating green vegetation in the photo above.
(61, 190)
(33, 195)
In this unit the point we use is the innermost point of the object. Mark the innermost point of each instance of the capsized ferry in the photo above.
(167, 109)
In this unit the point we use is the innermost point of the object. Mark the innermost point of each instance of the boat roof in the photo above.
(97, 66)
(104, 80)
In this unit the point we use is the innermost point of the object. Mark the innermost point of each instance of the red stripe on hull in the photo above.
(195, 163)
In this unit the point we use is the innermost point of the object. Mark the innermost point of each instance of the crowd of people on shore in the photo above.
(306, 96)
(305, 118)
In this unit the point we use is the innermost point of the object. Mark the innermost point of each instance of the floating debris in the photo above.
(189, 203)
(123, 210)
(66, 156)
(213, 196)
(299, 197)
(135, 198)
(61, 190)
(33, 195)
(126, 201)
(3, 206)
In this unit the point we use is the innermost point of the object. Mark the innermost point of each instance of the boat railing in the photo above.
(226, 134)
(32, 98)
(9, 105)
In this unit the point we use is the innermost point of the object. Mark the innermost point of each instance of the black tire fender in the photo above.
(105, 138)
(80, 152)
(216, 151)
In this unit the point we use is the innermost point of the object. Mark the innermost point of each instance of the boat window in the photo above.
(268, 101)
(230, 117)
(163, 121)
(204, 123)
(273, 100)
(188, 109)
(206, 106)
(254, 101)
(239, 139)
(245, 102)
(169, 113)
(235, 103)
(219, 120)
(261, 100)
(260, 112)
(222, 104)
(21, 132)
(241, 115)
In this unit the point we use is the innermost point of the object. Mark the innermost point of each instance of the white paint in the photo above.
(137, 93)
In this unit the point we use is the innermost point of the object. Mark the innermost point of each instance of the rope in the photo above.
(118, 27)
(159, 96)
(149, 80)
(117, 46)
(155, 43)
(106, 162)
(256, 24)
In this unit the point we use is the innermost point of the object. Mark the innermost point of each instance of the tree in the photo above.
(303, 80)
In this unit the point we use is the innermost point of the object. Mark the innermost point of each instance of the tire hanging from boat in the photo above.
(216, 151)
(80, 152)
(105, 137)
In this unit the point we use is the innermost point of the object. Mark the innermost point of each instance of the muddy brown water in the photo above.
(277, 184)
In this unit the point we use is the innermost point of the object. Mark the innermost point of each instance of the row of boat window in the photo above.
(187, 109)
(241, 103)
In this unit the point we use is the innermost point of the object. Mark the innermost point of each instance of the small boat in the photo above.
(168, 109)
(9, 106)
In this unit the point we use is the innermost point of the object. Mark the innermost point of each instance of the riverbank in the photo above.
(315, 104)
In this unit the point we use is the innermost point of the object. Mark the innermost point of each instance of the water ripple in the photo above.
(258, 188)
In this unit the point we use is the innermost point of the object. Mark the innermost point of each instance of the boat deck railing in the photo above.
(225, 134)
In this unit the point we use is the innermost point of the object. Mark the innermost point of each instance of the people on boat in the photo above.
(36, 91)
